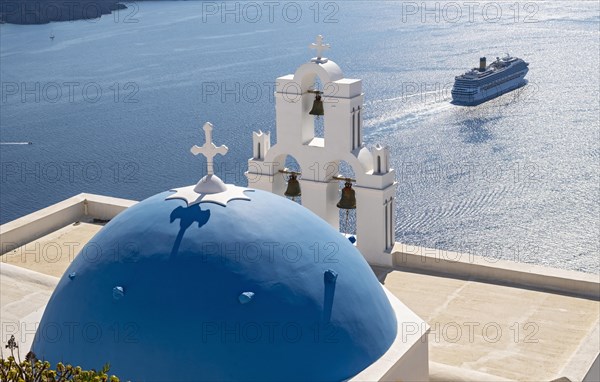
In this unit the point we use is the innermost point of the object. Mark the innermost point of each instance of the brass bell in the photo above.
(317, 108)
(293, 187)
(348, 199)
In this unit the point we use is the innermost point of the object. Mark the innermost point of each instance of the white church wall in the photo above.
(408, 357)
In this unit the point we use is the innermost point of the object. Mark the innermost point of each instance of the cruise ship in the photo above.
(486, 82)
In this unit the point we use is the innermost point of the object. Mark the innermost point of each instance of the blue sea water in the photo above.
(112, 106)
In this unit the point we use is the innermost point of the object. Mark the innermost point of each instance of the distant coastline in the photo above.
(31, 12)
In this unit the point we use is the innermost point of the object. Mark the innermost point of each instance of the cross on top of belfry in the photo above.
(319, 47)
(209, 149)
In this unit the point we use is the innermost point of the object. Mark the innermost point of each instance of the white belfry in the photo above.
(319, 157)
(319, 47)
(209, 149)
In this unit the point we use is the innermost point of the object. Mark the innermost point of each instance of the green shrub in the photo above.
(34, 370)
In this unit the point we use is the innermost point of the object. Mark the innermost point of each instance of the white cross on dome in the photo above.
(210, 188)
(209, 149)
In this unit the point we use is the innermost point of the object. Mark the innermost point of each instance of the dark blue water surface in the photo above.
(113, 105)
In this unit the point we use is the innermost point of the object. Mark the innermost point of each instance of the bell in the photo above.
(317, 108)
(293, 187)
(348, 199)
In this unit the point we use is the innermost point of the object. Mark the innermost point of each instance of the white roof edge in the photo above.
(512, 273)
(27, 275)
(42, 222)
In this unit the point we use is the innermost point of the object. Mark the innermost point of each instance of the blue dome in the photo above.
(257, 290)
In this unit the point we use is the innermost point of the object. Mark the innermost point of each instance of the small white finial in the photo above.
(209, 150)
(319, 47)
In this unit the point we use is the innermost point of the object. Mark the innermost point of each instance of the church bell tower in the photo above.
(318, 90)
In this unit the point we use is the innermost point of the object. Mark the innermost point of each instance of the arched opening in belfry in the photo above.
(347, 216)
(318, 120)
(292, 164)
(292, 175)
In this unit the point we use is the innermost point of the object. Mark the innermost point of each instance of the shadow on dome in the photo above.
(187, 216)
(329, 278)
